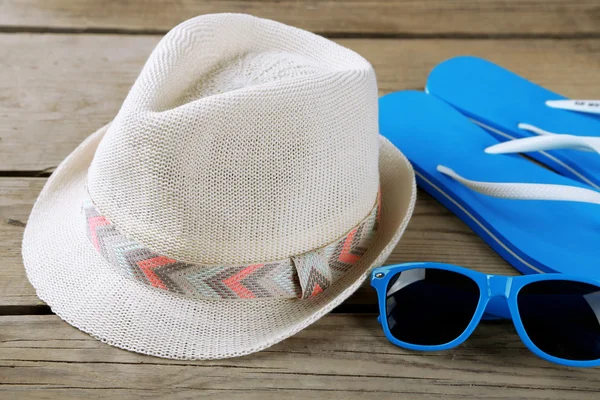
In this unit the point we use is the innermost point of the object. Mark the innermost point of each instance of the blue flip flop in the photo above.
(545, 222)
(511, 107)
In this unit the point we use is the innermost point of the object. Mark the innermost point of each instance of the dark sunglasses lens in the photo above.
(430, 307)
(562, 318)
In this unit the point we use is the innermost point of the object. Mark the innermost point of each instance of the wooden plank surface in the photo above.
(433, 234)
(67, 65)
(58, 89)
(345, 17)
(43, 357)
(16, 199)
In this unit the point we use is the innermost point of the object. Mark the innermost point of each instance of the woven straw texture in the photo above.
(242, 141)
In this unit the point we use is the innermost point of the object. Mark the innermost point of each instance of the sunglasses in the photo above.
(432, 306)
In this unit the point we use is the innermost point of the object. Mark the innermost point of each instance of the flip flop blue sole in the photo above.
(500, 99)
(532, 235)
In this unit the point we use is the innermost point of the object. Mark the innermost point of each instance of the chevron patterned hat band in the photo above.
(302, 276)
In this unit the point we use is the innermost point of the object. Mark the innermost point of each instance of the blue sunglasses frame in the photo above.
(498, 299)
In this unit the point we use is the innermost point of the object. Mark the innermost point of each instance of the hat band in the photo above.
(303, 276)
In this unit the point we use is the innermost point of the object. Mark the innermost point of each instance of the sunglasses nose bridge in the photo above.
(498, 286)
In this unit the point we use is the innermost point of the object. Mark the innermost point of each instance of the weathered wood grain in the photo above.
(16, 199)
(57, 89)
(434, 234)
(42, 357)
(398, 17)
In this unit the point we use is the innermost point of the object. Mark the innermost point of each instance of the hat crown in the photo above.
(243, 140)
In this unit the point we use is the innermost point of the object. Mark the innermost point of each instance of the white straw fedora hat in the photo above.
(241, 193)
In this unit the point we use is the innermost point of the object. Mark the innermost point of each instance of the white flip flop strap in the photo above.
(584, 106)
(545, 141)
(526, 191)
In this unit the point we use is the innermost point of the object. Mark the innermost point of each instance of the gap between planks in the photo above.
(330, 35)
(398, 18)
(43, 352)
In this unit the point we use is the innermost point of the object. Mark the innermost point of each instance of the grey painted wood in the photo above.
(43, 357)
(363, 17)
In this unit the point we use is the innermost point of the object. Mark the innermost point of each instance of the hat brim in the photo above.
(88, 293)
